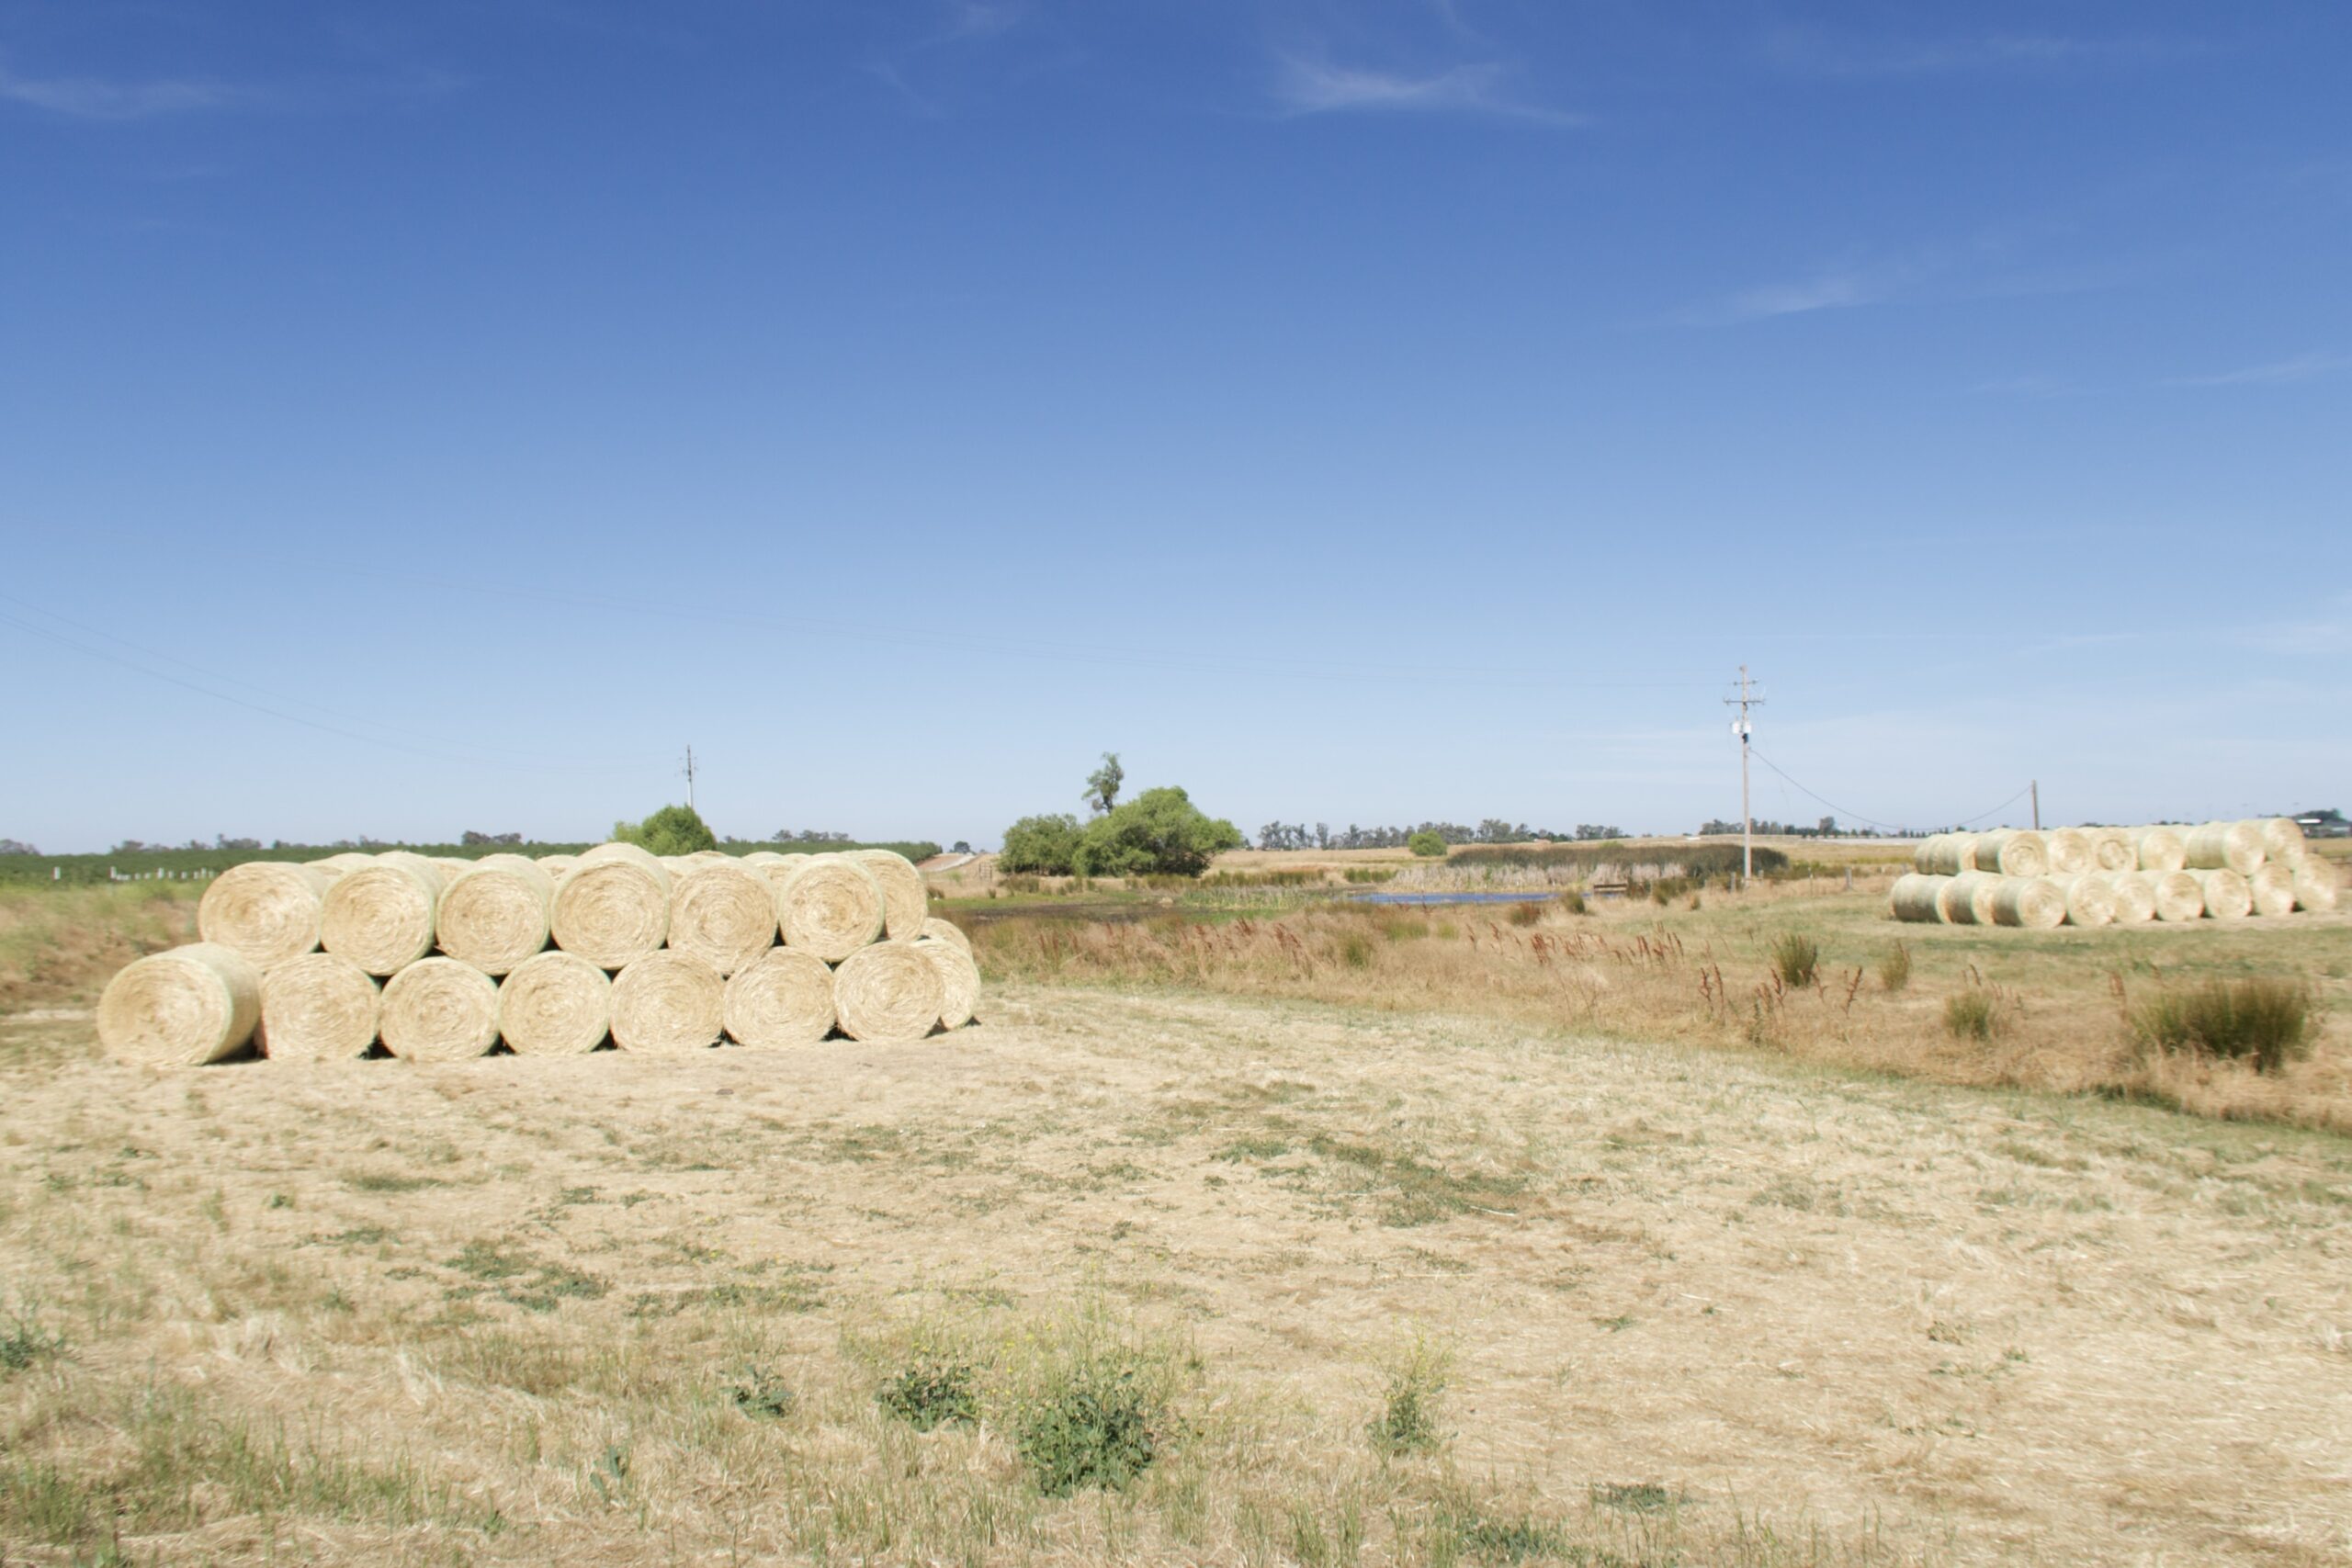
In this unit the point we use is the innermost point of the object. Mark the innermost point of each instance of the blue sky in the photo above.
(435, 416)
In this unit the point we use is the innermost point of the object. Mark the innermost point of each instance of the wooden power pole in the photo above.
(1742, 727)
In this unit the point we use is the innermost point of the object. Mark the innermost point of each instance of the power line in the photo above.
(1871, 822)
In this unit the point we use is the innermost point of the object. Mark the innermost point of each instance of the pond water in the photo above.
(1530, 897)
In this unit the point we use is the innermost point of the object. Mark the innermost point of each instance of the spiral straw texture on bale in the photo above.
(1944, 854)
(555, 1004)
(2227, 894)
(2161, 849)
(268, 911)
(2090, 899)
(2067, 851)
(438, 1009)
(2225, 846)
(612, 909)
(831, 906)
(2009, 852)
(667, 1004)
(382, 916)
(784, 997)
(723, 912)
(889, 991)
(181, 1008)
(905, 902)
(318, 1007)
(2034, 902)
(2272, 887)
(1919, 897)
(425, 866)
(2315, 884)
(1967, 899)
(2114, 849)
(494, 914)
(2180, 895)
(2135, 897)
(959, 980)
(2282, 839)
(946, 931)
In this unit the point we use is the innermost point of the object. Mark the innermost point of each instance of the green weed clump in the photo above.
(930, 1392)
(1093, 1427)
(1796, 958)
(2264, 1020)
(1411, 1416)
(1971, 1015)
(1355, 950)
(1894, 968)
(24, 1343)
(1573, 901)
(1525, 914)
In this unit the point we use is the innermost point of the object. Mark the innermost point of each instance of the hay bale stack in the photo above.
(612, 906)
(2180, 895)
(2009, 852)
(2272, 887)
(784, 997)
(959, 980)
(889, 991)
(2315, 884)
(2035, 903)
(494, 913)
(722, 912)
(945, 930)
(2068, 850)
(2114, 850)
(667, 1004)
(2225, 846)
(381, 917)
(2135, 897)
(2161, 849)
(831, 906)
(438, 1009)
(1944, 854)
(268, 911)
(1967, 899)
(318, 1007)
(555, 1004)
(2090, 899)
(181, 1008)
(2228, 896)
(1919, 897)
(2282, 839)
(906, 902)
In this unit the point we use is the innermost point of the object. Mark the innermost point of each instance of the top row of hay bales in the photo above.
(2241, 847)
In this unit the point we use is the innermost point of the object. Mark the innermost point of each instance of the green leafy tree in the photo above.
(1103, 784)
(1427, 842)
(672, 830)
(1044, 846)
(1161, 831)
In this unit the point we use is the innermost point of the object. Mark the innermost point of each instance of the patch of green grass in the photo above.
(1411, 1418)
(1520, 1538)
(2261, 1019)
(1894, 968)
(383, 1181)
(1971, 1015)
(523, 1281)
(1412, 1191)
(1796, 958)
(1638, 1497)
(24, 1344)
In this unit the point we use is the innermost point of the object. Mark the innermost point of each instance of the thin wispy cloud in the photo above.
(1306, 85)
(95, 98)
(1820, 54)
(2281, 372)
(979, 18)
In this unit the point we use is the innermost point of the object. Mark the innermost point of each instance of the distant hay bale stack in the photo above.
(784, 998)
(2135, 897)
(2161, 849)
(959, 980)
(438, 1009)
(181, 1008)
(2225, 846)
(381, 917)
(2035, 903)
(2272, 888)
(318, 1007)
(945, 930)
(612, 906)
(2228, 895)
(2282, 839)
(555, 1004)
(668, 1004)
(1967, 899)
(2114, 850)
(1919, 897)
(2180, 895)
(2068, 851)
(2090, 899)
(2315, 884)
(831, 906)
(889, 991)
(1944, 854)
(723, 912)
(268, 911)
(494, 913)
(906, 902)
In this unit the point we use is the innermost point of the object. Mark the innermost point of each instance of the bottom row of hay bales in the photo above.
(204, 1002)
(2121, 897)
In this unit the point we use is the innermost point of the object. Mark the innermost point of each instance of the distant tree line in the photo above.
(17, 847)
(1825, 829)
(1493, 831)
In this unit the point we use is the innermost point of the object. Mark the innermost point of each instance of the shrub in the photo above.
(1971, 1015)
(1040, 846)
(1573, 901)
(1427, 845)
(1158, 832)
(930, 1392)
(1093, 1425)
(1796, 958)
(2264, 1020)
(672, 830)
(1526, 914)
(1894, 969)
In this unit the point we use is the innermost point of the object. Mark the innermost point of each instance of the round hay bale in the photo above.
(722, 912)
(667, 1004)
(452, 867)
(764, 857)
(318, 1007)
(2228, 895)
(778, 868)
(438, 1009)
(181, 1008)
(2114, 850)
(2160, 849)
(614, 849)
(2090, 899)
(2282, 839)
(556, 865)
(381, 917)
(2035, 903)
(1918, 899)
(2272, 888)
(2225, 846)
(555, 1004)
(2135, 897)
(494, 913)
(268, 911)
(2180, 895)
(2315, 884)
(906, 902)
(2068, 850)
(424, 865)
(1944, 854)
(2011, 852)
(828, 904)
(1967, 899)
(889, 991)
(612, 909)
(945, 930)
(336, 864)
(710, 857)
(783, 997)
(959, 980)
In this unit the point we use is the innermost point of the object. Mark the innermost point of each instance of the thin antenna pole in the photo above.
(2035, 785)
(1741, 726)
(690, 779)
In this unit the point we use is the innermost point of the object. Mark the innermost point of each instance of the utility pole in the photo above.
(1741, 727)
(2035, 785)
(690, 779)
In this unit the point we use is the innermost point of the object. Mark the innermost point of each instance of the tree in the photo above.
(1103, 784)
(672, 830)
(1427, 842)
(1044, 846)
(963, 847)
(1159, 832)
(17, 847)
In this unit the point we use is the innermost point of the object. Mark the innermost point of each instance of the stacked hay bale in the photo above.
(2096, 876)
(444, 959)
